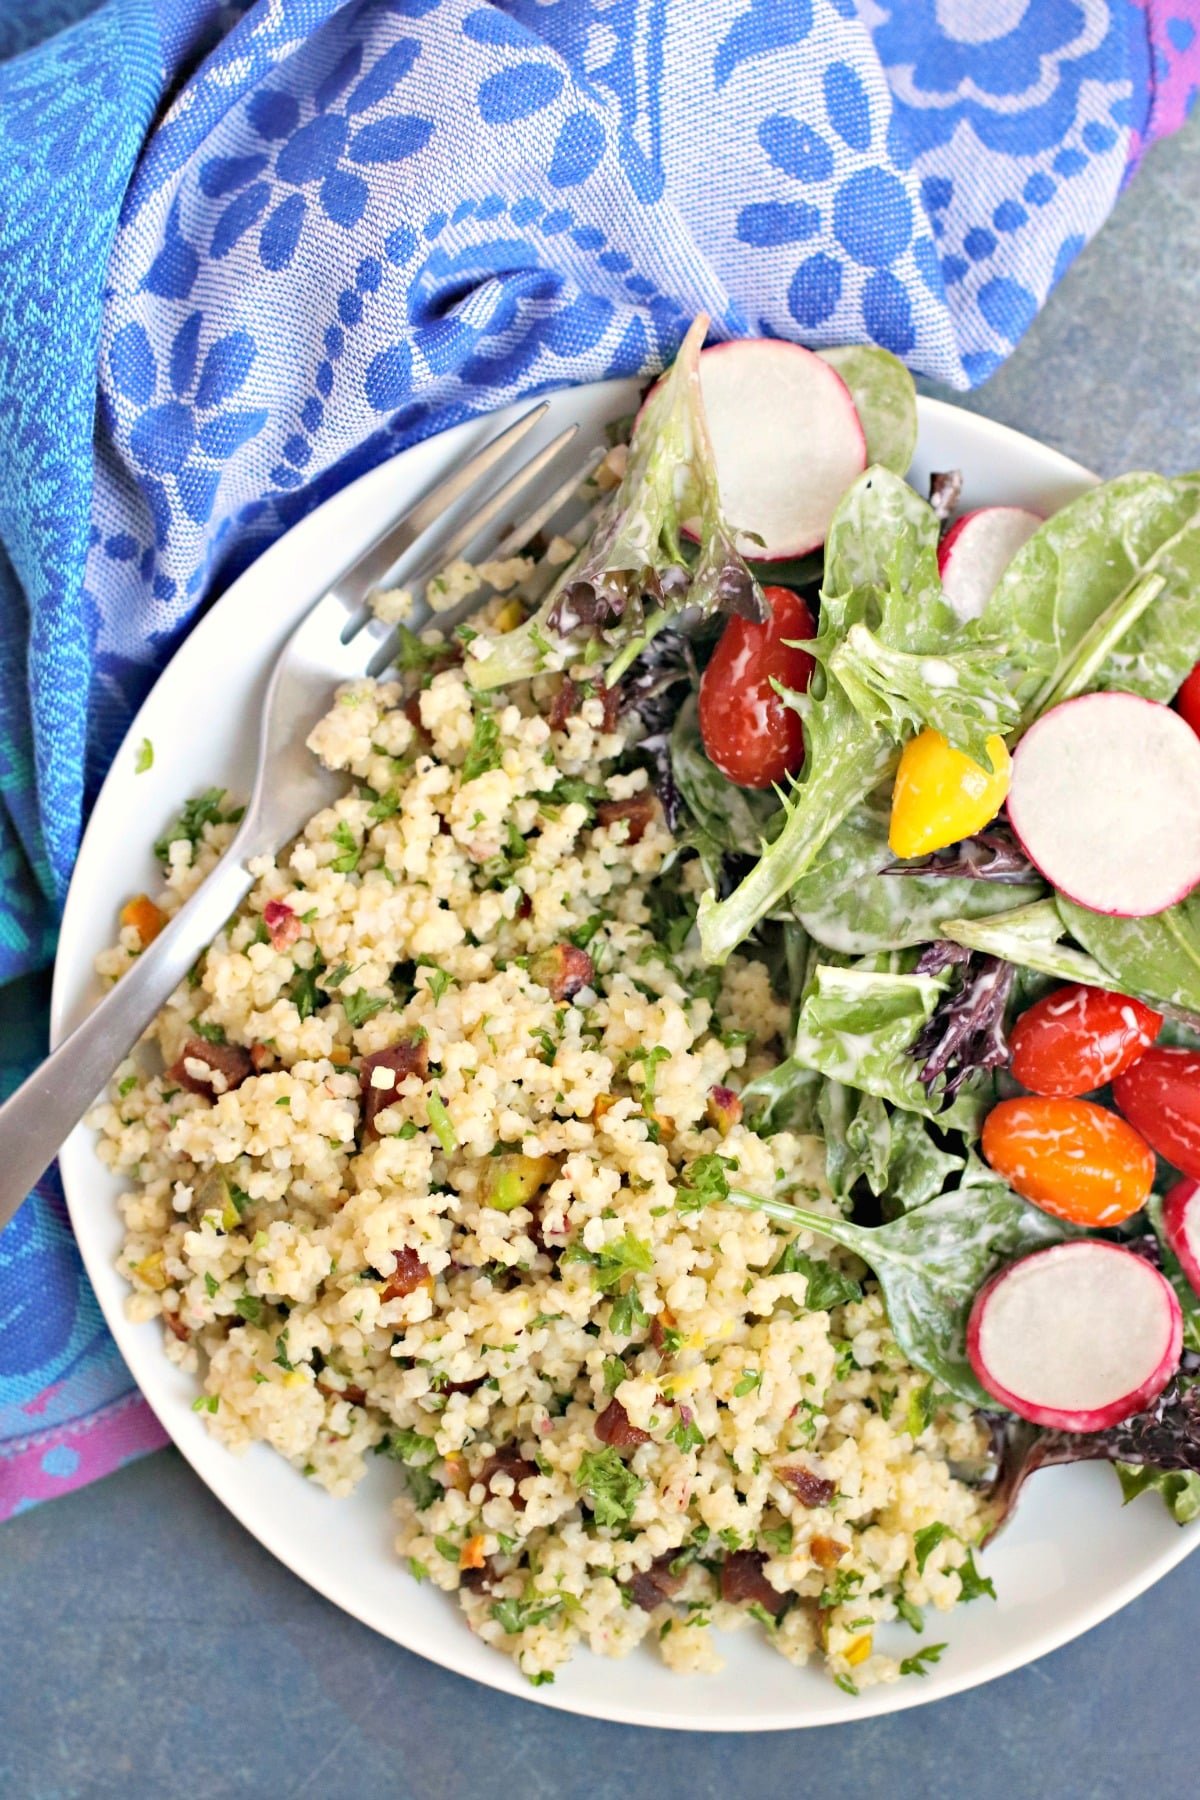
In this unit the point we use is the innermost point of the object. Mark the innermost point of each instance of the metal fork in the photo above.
(338, 640)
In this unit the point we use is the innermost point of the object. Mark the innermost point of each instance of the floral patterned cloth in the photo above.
(286, 239)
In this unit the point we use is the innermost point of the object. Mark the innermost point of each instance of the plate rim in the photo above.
(499, 1672)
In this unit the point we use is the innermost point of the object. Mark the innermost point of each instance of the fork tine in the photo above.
(364, 573)
(528, 528)
(496, 503)
(470, 529)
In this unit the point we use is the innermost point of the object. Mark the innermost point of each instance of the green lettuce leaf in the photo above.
(858, 1026)
(636, 553)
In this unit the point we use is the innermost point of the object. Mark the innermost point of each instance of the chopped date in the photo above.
(826, 1552)
(564, 970)
(406, 1278)
(638, 811)
(614, 1427)
(227, 1066)
(175, 1324)
(809, 1488)
(261, 1057)
(744, 1584)
(571, 696)
(508, 1460)
(483, 1579)
(409, 1057)
(355, 1395)
(660, 1324)
(648, 1588)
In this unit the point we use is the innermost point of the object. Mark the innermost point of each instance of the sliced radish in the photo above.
(787, 442)
(1076, 1337)
(975, 552)
(1105, 798)
(1181, 1222)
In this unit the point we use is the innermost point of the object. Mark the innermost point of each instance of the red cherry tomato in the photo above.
(1160, 1095)
(751, 736)
(1077, 1038)
(1187, 700)
(1070, 1157)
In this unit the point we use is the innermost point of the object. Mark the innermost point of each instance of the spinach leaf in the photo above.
(786, 1098)
(849, 901)
(736, 819)
(1032, 938)
(931, 1262)
(859, 1025)
(917, 1168)
(885, 400)
(1083, 564)
(858, 1138)
(1157, 958)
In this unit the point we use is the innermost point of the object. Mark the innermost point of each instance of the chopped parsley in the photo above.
(686, 1435)
(614, 1373)
(748, 1382)
(212, 1286)
(206, 1403)
(361, 1006)
(204, 809)
(414, 656)
(145, 757)
(515, 1616)
(304, 993)
(281, 1352)
(778, 1538)
(920, 1660)
(843, 1587)
(619, 1257)
(628, 1317)
(702, 1182)
(349, 849)
(127, 1086)
(973, 1584)
(249, 1307)
(912, 1615)
(212, 1034)
(926, 1541)
(484, 753)
(609, 1487)
(827, 1286)
(920, 1410)
(437, 981)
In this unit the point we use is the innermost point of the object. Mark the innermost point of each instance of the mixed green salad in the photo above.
(946, 774)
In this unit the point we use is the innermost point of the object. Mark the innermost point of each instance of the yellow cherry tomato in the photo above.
(941, 796)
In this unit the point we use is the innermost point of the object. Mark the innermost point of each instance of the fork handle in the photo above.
(46, 1108)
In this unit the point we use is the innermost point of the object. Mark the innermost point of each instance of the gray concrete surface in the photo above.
(149, 1647)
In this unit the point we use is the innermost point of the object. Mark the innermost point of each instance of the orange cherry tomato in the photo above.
(1187, 700)
(1160, 1096)
(1071, 1158)
(751, 736)
(1077, 1038)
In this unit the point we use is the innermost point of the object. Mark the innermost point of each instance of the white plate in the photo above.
(1073, 1555)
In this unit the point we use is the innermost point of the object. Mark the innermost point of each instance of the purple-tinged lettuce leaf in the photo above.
(991, 855)
(633, 576)
(965, 1034)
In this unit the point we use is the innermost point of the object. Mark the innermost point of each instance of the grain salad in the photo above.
(434, 1167)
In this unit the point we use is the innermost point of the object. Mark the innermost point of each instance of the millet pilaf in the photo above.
(435, 1171)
